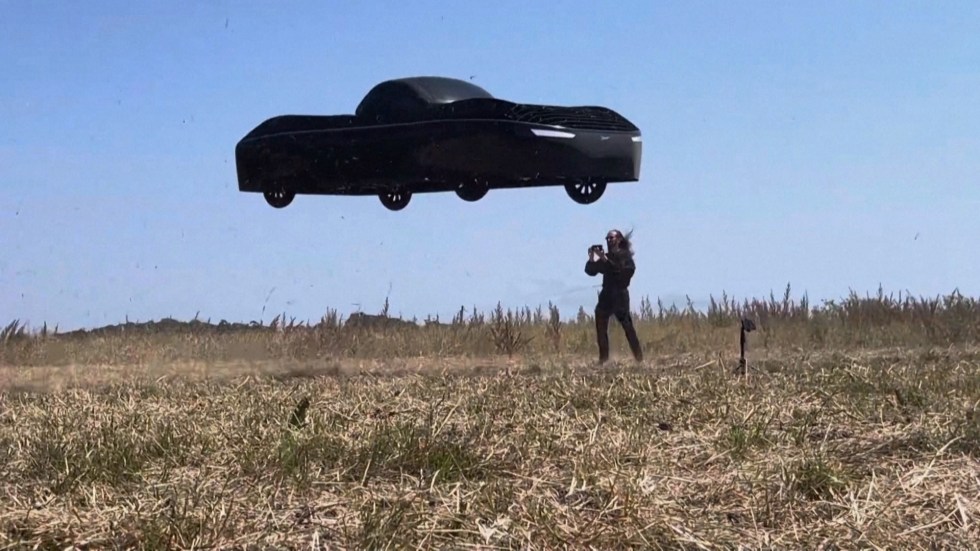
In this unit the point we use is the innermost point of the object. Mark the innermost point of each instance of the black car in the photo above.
(434, 134)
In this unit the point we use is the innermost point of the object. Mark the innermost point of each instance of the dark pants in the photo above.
(615, 304)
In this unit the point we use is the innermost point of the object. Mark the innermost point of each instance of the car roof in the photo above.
(426, 89)
(443, 89)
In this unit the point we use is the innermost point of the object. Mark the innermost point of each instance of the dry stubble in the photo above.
(867, 449)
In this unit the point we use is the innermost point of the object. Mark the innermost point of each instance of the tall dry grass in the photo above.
(881, 320)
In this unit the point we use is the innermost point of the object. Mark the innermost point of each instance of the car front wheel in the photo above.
(585, 193)
(279, 197)
(396, 200)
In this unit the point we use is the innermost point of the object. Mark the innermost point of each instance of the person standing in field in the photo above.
(617, 268)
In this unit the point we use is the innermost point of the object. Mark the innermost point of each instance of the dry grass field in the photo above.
(855, 426)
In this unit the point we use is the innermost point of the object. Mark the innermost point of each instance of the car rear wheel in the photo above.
(585, 192)
(396, 200)
(279, 197)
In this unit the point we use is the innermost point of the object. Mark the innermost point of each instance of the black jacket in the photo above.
(617, 271)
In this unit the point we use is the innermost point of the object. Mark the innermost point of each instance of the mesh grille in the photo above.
(584, 118)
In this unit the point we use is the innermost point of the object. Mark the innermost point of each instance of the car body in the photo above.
(436, 134)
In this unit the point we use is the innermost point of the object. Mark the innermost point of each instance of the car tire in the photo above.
(278, 197)
(395, 200)
(585, 193)
(472, 191)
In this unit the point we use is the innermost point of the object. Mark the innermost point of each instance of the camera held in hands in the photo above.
(595, 249)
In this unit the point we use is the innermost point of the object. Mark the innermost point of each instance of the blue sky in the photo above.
(828, 145)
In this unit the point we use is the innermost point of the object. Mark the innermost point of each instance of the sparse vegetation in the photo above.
(855, 426)
(783, 323)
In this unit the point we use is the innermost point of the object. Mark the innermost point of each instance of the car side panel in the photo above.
(442, 153)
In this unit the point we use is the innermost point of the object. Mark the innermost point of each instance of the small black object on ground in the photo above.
(746, 326)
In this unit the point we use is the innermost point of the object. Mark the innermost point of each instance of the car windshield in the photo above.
(446, 90)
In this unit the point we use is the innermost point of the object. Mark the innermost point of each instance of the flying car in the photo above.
(430, 134)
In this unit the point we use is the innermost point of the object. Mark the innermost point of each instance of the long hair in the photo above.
(626, 241)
